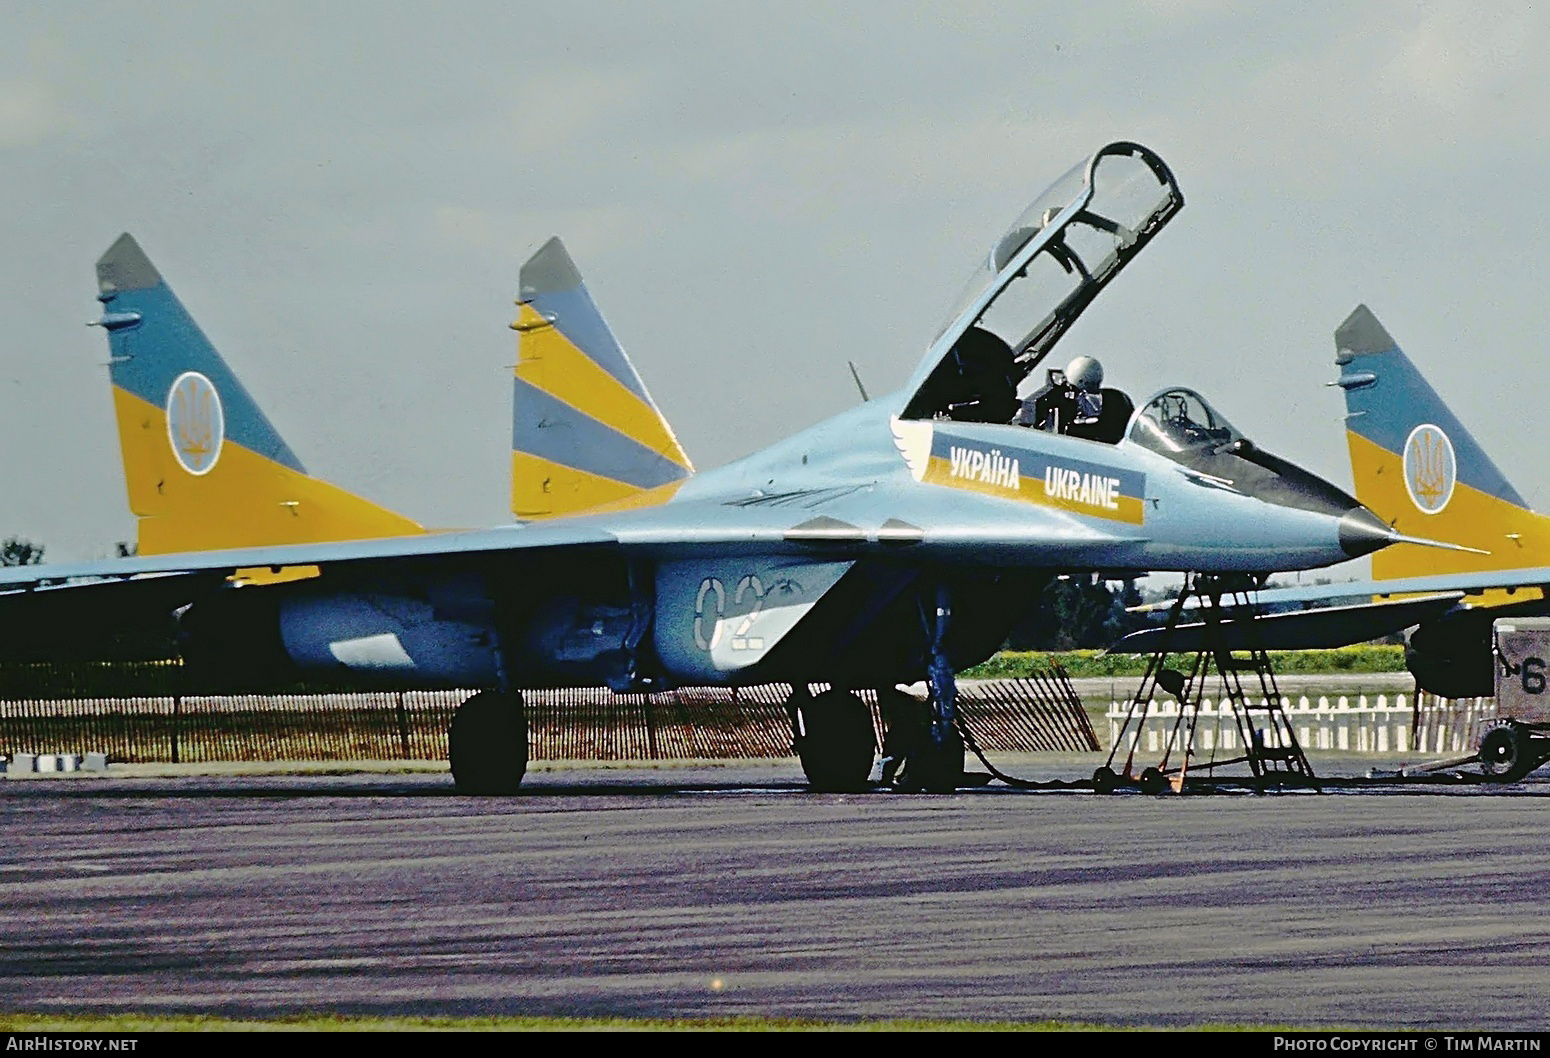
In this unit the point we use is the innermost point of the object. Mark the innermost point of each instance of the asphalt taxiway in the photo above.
(725, 891)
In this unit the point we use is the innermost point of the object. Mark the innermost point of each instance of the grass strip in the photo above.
(1364, 659)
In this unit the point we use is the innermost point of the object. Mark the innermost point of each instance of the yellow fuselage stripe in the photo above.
(1129, 509)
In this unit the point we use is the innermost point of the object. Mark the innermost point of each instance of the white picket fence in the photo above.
(1361, 725)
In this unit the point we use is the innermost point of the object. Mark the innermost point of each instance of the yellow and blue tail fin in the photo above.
(205, 468)
(585, 431)
(1417, 466)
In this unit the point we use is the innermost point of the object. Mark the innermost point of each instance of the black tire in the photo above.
(1153, 781)
(934, 767)
(906, 724)
(1105, 781)
(1505, 755)
(487, 744)
(837, 743)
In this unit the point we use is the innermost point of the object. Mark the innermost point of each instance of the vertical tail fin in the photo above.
(1415, 464)
(205, 468)
(585, 431)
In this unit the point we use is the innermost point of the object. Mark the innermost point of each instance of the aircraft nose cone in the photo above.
(1362, 532)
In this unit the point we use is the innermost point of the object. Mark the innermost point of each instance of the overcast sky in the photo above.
(342, 195)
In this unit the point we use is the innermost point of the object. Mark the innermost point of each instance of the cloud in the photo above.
(29, 116)
(1469, 63)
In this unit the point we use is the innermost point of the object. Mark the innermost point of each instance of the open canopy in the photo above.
(1039, 277)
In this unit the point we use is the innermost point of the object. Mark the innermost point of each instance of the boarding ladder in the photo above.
(1269, 746)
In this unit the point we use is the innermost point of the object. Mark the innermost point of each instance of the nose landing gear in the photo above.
(924, 736)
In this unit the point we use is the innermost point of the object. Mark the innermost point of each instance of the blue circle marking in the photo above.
(1431, 469)
(196, 424)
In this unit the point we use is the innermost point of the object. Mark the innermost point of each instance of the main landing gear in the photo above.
(923, 750)
(833, 738)
(487, 743)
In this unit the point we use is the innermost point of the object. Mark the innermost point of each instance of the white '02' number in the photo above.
(750, 591)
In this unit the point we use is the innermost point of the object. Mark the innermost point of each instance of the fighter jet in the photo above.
(1418, 466)
(893, 543)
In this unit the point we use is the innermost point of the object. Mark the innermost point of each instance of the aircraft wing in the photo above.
(948, 527)
(82, 609)
(1484, 580)
(1331, 626)
(392, 549)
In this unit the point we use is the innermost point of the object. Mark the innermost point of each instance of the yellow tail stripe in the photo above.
(1516, 537)
(545, 489)
(549, 361)
(245, 500)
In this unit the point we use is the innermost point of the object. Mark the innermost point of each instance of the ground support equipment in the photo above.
(1270, 750)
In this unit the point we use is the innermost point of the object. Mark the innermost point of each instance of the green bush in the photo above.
(1079, 663)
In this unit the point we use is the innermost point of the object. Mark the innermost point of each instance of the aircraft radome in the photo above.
(892, 543)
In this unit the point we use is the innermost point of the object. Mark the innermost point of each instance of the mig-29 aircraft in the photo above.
(892, 543)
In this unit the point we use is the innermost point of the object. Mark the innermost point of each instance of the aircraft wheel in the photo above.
(487, 743)
(1153, 781)
(1504, 753)
(837, 742)
(1104, 780)
(906, 723)
(934, 767)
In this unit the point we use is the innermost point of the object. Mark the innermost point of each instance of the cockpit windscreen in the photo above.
(1179, 421)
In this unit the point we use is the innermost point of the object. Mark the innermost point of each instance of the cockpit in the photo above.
(1177, 421)
(1181, 425)
(1037, 279)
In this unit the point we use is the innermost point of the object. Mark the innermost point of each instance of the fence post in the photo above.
(403, 729)
(651, 724)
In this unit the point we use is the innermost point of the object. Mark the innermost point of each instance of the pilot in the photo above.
(1075, 403)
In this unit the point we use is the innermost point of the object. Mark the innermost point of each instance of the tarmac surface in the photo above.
(719, 891)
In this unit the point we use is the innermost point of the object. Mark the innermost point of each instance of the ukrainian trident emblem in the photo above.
(1431, 470)
(196, 424)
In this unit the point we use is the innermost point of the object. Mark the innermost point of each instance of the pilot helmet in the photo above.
(1085, 373)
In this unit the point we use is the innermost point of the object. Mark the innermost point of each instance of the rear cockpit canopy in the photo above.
(1179, 424)
(1178, 421)
(1038, 278)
